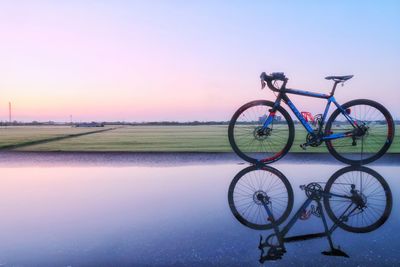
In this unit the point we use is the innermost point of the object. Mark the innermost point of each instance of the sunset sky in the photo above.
(189, 60)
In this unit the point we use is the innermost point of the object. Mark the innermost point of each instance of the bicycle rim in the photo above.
(364, 148)
(372, 188)
(245, 128)
(243, 202)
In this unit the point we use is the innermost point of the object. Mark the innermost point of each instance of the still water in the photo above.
(135, 215)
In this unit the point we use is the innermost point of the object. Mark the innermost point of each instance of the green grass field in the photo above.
(140, 139)
(146, 138)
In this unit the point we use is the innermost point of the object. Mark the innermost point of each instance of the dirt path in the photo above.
(52, 139)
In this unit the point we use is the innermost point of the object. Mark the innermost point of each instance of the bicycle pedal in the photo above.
(303, 146)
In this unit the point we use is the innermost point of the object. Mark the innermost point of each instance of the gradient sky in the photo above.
(189, 60)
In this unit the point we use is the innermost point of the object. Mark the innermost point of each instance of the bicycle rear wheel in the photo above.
(253, 143)
(361, 148)
(245, 204)
(363, 208)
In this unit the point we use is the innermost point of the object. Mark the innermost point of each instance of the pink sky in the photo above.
(140, 62)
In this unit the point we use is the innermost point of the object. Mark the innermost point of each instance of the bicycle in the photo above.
(357, 132)
(356, 198)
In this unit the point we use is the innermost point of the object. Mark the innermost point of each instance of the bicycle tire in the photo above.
(279, 180)
(340, 174)
(385, 140)
(266, 156)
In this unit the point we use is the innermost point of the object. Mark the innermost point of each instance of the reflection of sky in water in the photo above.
(84, 216)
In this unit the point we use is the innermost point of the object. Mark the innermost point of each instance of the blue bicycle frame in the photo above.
(328, 231)
(330, 98)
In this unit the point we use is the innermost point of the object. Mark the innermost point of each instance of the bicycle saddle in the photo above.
(339, 78)
(335, 252)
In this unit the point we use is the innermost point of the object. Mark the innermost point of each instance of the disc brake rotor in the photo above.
(261, 134)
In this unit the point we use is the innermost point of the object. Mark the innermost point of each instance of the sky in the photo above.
(189, 60)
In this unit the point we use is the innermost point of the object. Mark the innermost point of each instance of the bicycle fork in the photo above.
(274, 252)
(271, 114)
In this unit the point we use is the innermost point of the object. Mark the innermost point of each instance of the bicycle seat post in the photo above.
(334, 88)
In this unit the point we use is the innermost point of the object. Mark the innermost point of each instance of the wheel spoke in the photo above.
(370, 199)
(252, 183)
(254, 142)
(369, 139)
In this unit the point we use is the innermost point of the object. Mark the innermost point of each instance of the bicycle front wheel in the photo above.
(365, 145)
(255, 143)
(358, 199)
(252, 183)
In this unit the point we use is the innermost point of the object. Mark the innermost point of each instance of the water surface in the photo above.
(130, 215)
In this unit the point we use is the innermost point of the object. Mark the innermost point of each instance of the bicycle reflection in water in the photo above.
(356, 199)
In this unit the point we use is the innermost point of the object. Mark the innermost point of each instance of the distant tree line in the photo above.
(104, 123)
(97, 124)
(169, 123)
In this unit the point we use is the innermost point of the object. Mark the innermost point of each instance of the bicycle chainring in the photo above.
(314, 191)
(315, 140)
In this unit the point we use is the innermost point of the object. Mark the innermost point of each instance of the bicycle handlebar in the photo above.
(268, 79)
